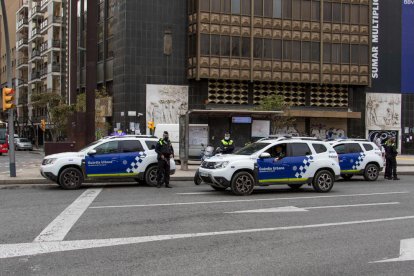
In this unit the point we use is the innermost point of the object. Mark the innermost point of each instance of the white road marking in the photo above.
(406, 252)
(61, 225)
(196, 193)
(241, 200)
(305, 209)
(37, 248)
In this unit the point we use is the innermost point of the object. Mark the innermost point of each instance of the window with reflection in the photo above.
(296, 50)
(327, 11)
(363, 15)
(246, 47)
(277, 8)
(215, 6)
(277, 49)
(246, 7)
(363, 54)
(296, 9)
(354, 14)
(205, 5)
(287, 50)
(235, 6)
(215, 45)
(287, 9)
(205, 44)
(268, 8)
(336, 12)
(345, 13)
(235, 46)
(224, 45)
(354, 54)
(316, 51)
(336, 53)
(258, 7)
(306, 10)
(306, 51)
(345, 53)
(267, 48)
(257, 47)
(225, 6)
(327, 51)
(316, 10)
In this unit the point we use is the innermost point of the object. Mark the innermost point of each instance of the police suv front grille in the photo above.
(208, 165)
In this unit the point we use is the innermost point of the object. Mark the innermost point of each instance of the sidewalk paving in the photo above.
(32, 175)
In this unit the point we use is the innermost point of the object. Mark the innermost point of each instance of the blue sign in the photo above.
(407, 51)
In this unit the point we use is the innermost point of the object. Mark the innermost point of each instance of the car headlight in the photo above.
(49, 161)
(221, 165)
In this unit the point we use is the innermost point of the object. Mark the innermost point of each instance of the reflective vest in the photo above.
(227, 143)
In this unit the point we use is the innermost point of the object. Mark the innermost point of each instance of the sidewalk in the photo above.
(32, 175)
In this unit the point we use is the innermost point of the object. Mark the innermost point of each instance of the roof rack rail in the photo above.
(130, 136)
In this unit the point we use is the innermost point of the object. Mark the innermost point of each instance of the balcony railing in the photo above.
(35, 31)
(43, 25)
(22, 22)
(35, 75)
(43, 3)
(21, 82)
(55, 20)
(35, 9)
(22, 61)
(56, 68)
(43, 47)
(43, 72)
(55, 43)
(35, 53)
(21, 42)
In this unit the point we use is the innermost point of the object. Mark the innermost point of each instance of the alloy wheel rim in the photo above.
(153, 176)
(372, 172)
(243, 184)
(325, 181)
(71, 178)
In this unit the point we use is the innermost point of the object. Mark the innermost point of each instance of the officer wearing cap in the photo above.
(391, 159)
(227, 145)
(165, 151)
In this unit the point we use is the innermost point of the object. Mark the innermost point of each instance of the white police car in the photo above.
(126, 156)
(359, 157)
(306, 161)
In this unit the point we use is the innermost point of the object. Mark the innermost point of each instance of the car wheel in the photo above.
(347, 176)
(197, 178)
(295, 186)
(371, 172)
(218, 188)
(323, 181)
(70, 179)
(151, 176)
(242, 183)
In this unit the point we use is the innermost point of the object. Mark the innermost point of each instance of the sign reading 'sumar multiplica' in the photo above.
(375, 40)
(407, 46)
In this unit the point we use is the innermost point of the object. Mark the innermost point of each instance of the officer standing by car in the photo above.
(227, 145)
(165, 151)
(391, 159)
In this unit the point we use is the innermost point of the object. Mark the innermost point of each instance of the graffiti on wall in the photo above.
(291, 130)
(379, 137)
(322, 131)
(165, 103)
(383, 111)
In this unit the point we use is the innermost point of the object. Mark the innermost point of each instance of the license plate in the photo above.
(204, 174)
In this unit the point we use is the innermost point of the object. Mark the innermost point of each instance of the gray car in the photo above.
(23, 144)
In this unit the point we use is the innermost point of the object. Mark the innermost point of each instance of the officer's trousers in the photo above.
(391, 167)
(163, 173)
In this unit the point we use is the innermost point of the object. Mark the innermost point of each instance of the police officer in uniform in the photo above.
(391, 159)
(227, 145)
(165, 151)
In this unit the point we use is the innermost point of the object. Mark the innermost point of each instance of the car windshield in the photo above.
(90, 145)
(24, 140)
(252, 148)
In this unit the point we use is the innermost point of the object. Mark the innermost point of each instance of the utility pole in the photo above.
(12, 156)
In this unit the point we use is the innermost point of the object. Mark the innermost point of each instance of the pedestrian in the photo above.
(164, 152)
(391, 159)
(227, 145)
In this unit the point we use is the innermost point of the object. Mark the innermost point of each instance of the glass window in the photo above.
(100, 51)
(246, 7)
(345, 13)
(368, 147)
(225, 6)
(316, 51)
(327, 11)
(363, 54)
(274, 153)
(287, 9)
(193, 45)
(299, 149)
(268, 8)
(131, 146)
(225, 46)
(215, 45)
(101, 14)
(287, 50)
(235, 46)
(336, 53)
(111, 8)
(204, 44)
(345, 53)
(353, 148)
(316, 10)
(267, 48)
(327, 53)
(205, 5)
(107, 148)
(277, 8)
(110, 48)
(235, 6)
(277, 49)
(252, 148)
(246, 47)
(354, 54)
(354, 14)
(306, 10)
(296, 50)
(100, 32)
(319, 148)
(336, 12)
(215, 5)
(306, 51)
(151, 144)
(111, 27)
(340, 149)
(363, 15)
(258, 7)
(296, 9)
(258, 48)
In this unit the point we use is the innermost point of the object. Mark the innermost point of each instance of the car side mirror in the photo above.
(265, 155)
(92, 152)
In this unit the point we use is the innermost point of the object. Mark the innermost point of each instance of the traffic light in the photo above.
(151, 125)
(43, 125)
(8, 98)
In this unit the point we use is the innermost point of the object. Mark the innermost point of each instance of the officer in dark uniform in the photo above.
(165, 151)
(391, 159)
(227, 145)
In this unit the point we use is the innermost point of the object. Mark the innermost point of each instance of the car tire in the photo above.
(347, 176)
(371, 172)
(151, 176)
(295, 186)
(218, 188)
(242, 184)
(70, 179)
(323, 181)
(197, 178)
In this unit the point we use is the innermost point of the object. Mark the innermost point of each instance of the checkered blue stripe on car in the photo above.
(133, 167)
(358, 161)
(301, 170)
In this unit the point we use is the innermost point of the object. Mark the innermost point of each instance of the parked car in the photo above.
(129, 156)
(305, 161)
(23, 144)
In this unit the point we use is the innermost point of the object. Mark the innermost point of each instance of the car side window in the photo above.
(353, 148)
(340, 149)
(277, 151)
(368, 147)
(151, 144)
(107, 148)
(131, 146)
(319, 148)
(299, 149)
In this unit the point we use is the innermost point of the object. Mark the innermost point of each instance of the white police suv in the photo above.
(305, 161)
(127, 156)
(359, 157)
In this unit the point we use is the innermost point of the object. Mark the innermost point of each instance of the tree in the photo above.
(276, 102)
(57, 112)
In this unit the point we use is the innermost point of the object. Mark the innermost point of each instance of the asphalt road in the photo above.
(24, 159)
(192, 230)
